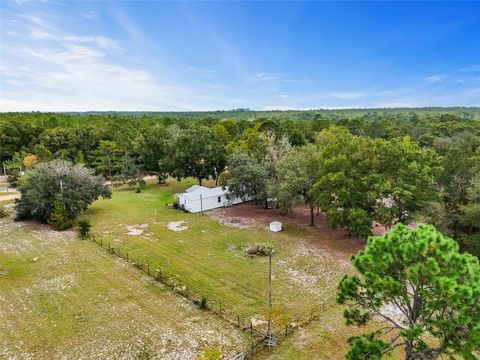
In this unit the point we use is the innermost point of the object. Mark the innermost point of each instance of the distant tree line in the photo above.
(357, 166)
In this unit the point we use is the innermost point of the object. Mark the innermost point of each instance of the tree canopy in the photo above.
(58, 184)
(420, 285)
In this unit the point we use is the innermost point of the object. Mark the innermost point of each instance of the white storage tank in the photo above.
(275, 226)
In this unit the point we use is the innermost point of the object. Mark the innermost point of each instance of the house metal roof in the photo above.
(205, 192)
(195, 188)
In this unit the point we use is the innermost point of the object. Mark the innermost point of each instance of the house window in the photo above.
(219, 199)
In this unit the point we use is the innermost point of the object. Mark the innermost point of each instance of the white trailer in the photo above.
(199, 198)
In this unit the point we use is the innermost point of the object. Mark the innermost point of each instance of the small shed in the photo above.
(275, 226)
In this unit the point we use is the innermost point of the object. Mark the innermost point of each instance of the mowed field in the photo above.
(66, 298)
(209, 259)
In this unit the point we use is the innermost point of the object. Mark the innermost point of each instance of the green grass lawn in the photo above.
(209, 258)
(62, 297)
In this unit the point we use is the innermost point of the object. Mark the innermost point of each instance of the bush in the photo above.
(359, 222)
(54, 183)
(203, 302)
(58, 217)
(138, 190)
(84, 227)
(211, 353)
(259, 249)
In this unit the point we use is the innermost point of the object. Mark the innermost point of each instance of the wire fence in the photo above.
(260, 339)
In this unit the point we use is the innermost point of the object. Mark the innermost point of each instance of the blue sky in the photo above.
(81, 56)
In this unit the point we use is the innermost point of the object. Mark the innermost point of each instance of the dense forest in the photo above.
(358, 166)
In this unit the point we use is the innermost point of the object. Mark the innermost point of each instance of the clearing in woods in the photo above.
(206, 254)
(62, 297)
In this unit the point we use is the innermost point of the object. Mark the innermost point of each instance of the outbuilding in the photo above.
(275, 226)
(199, 198)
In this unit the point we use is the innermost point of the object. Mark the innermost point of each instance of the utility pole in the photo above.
(270, 279)
(5, 172)
(269, 340)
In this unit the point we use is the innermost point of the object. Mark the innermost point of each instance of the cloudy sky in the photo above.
(154, 56)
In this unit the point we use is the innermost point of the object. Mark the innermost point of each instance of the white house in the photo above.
(199, 198)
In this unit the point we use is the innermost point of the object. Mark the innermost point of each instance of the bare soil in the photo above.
(321, 234)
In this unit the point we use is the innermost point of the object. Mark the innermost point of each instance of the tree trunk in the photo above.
(409, 350)
(266, 203)
(455, 229)
(312, 219)
(200, 181)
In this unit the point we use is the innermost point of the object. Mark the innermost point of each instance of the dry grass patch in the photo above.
(66, 298)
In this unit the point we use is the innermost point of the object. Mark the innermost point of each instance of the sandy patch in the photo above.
(309, 282)
(259, 321)
(136, 230)
(393, 312)
(50, 235)
(235, 222)
(57, 285)
(9, 197)
(177, 226)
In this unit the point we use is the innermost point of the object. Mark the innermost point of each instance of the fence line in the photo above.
(242, 322)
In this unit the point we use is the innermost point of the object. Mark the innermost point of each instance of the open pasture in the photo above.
(66, 298)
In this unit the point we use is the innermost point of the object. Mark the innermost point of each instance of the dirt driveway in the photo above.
(9, 197)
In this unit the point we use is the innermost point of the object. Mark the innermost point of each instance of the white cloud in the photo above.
(202, 71)
(102, 41)
(280, 107)
(91, 15)
(347, 95)
(472, 68)
(218, 86)
(38, 21)
(55, 71)
(80, 78)
(262, 76)
(435, 78)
